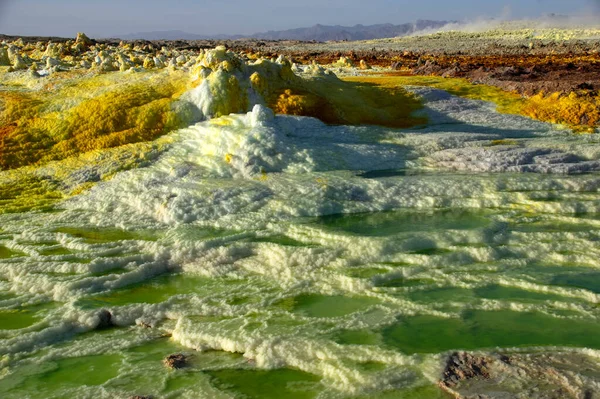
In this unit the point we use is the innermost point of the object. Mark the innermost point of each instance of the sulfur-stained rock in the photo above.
(214, 57)
(52, 50)
(397, 65)
(60, 49)
(33, 71)
(4, 60)
(315, 69)
(104, 55)
(149, 63)
(451, 72)
(281, 59)
(204, 72)
(77, 48)
(107, 67)
(52, 62)
(12, 53)
(158, 63)
(19, 63)
(83, 39)
(363, 65)
(124, 62)
(345, 62)
(135, 60)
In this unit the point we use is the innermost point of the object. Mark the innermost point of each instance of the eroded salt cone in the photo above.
(148, 62)
(33, 70)
(51, 62)
(4, 60)
(52, 50)
(19, 63)
(12, 53)
(83, 39)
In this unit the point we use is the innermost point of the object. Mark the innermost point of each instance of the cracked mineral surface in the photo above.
(399, 218)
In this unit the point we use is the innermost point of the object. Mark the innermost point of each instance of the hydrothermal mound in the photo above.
(291, 233)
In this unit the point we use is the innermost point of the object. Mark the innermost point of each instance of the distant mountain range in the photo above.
(317, 32)
(174, 35)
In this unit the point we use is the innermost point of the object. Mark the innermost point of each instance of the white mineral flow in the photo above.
(324, 261)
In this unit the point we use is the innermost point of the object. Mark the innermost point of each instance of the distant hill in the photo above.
(174, 35)
(357, 32)
(317, 32)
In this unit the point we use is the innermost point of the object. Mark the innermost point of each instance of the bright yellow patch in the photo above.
(30, 188)
(84, 113)
(581, 112)
(298, 104)
(507, 102)
(336, 101)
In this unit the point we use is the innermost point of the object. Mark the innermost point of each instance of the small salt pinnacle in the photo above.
(19, 62)
(4, 60)
(83, 39)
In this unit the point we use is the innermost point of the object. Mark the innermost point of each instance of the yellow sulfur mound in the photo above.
(353, 103)
(86, 114)
(227, 84)
(299, 104)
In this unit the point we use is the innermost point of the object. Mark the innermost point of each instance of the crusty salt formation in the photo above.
(286, 229)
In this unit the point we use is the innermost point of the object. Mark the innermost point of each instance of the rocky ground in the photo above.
(521, 375)
(515, 61)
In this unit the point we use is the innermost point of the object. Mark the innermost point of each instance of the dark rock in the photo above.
(140, 397)
(505, 359)
(175, 361)
(463, 366)
(585, 86)
(507, 72)
(105, 318)
(396, 65)
(451, 72)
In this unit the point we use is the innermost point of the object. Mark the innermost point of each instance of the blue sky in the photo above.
(109, 18)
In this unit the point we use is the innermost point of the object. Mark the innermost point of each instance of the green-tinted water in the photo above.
(483, 329)
(257, 384)
(291, 259)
